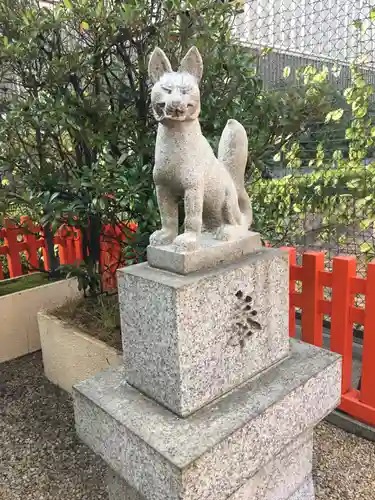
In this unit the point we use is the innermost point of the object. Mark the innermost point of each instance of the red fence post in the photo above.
(367, 393)
(70, 248)
(344, 269)
(292, 289)
(110, 255)
(13, 256)
(104, 259)
(312, 294)
(31, 242)
(61, 241)
(78, 245)
(46, 259)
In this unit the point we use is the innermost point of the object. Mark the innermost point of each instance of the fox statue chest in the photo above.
(182, 156)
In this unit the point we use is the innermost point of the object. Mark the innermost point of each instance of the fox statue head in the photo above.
(175, 95)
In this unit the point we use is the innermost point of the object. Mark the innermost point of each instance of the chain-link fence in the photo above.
(300, 45)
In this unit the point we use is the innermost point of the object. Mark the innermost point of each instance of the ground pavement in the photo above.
(41, 458)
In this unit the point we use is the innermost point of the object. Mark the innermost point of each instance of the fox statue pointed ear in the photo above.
(158, 65)
(192, 63)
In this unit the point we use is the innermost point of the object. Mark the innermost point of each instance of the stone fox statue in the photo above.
(186, 167)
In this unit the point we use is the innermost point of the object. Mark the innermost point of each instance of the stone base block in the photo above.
(214, 453)
(211, 253)
(189, 339)
(277, 480)
(305, 492)
(119, 490)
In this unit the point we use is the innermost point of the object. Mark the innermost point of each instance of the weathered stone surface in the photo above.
(213, 189)
(189, 339)
(305, 492)
(211, 454)
(277, 480)
(282, 475)
(118, 489)
(210, 253)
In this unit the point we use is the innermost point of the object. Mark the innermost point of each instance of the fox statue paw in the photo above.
(162, 237)
(186, 241)
(229, 232)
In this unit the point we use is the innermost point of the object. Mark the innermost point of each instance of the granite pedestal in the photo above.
(189, 339)
(213, 402)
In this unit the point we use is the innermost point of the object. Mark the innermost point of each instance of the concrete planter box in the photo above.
(19, 333)
(71, 355)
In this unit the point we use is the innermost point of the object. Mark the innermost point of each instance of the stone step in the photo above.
(305, 492)
(214, 452)
(280, 479)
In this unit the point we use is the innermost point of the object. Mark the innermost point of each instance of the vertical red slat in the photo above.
(63, 253)
(78, 245)
(31, 241)
(46, 261)
(109, 254)
(344, 269)
(367, 394)
(292, 289)
(312, 293)
(63, 250)
(70, 249)
(13, 257)
(1, 271)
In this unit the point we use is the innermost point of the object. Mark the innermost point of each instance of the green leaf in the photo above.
(365, 224)
(99, 7)
(84, 25)
(366, 247)
(150, 204)
(266, 51)
(334, 116)
(286, 72)
(337, 115)
(53, 197)
(372, 14)
(67, 4)
(337, 155)
(357, 24)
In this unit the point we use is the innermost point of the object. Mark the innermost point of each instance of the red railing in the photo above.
(343, 313)
(29, 238)
(310, 299)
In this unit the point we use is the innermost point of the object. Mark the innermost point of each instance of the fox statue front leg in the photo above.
(169, 217)
(193, 203)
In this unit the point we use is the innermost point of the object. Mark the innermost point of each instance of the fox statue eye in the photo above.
(167, 90)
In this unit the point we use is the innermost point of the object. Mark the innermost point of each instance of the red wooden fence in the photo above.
(342, 281)
(30, 240)
(69, 242)
(343, 313)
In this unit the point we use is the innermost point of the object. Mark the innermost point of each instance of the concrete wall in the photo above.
(19, 333)
(70, 355)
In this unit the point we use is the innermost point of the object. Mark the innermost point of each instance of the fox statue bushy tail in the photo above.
(233, 152)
